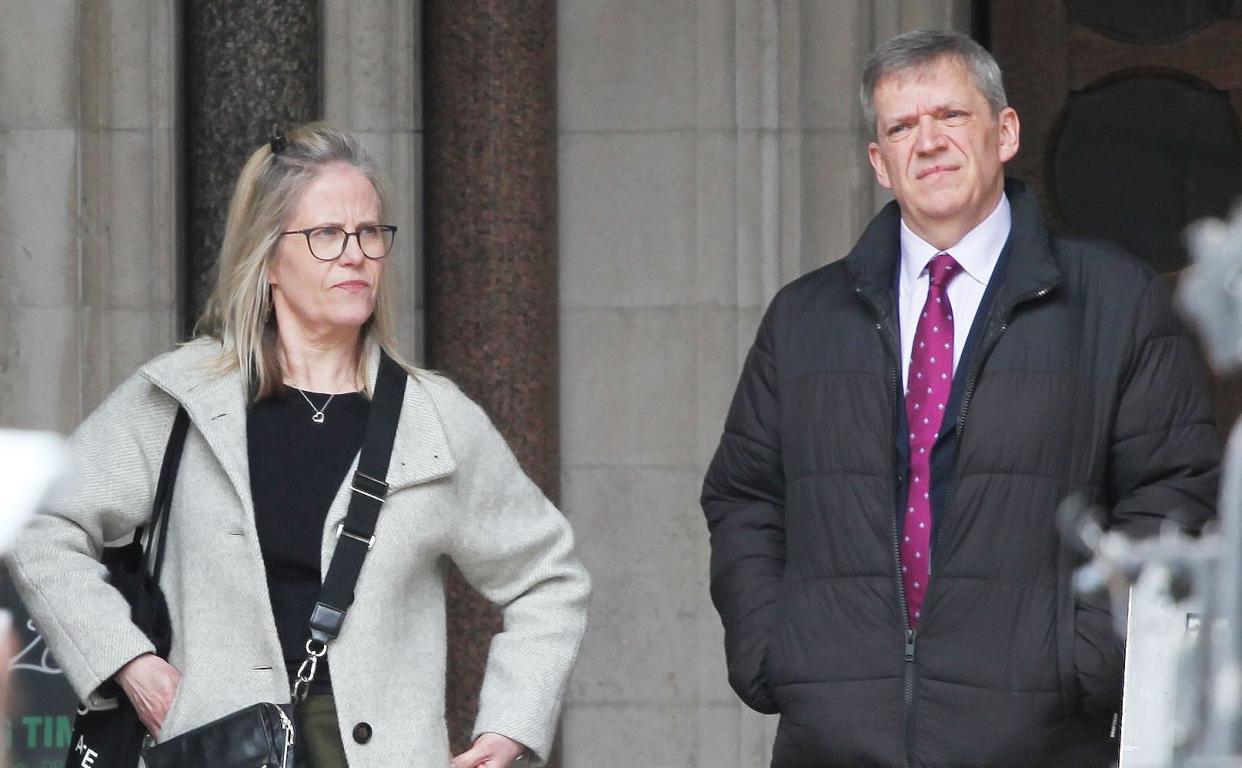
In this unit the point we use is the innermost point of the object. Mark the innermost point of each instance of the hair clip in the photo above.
(279, 143)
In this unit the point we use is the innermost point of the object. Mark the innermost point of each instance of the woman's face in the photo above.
(316, 299)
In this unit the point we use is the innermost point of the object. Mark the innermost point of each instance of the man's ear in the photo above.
(1009, 130)
(877, 164)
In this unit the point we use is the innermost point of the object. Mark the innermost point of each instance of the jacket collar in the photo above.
(1031, 271)
(217, 404)
(1032, 268)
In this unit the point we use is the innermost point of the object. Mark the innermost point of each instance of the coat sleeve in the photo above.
(1165, 461)
(1163, 466)
(104, 497)
(517, 549)
(744, 502)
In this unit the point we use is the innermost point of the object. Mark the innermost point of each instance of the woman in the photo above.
(277, 392)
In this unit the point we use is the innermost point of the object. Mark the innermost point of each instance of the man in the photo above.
(882, 506)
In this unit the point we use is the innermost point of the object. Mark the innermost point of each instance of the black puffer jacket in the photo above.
(1082, 381)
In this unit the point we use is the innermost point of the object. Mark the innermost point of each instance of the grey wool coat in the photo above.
(456, 492)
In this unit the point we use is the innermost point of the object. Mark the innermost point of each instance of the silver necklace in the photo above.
(318, 417)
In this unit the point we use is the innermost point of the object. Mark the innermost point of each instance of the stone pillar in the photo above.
(249, 65)
(127, 148)
(87, 202)
(40, 364)
(491, 259)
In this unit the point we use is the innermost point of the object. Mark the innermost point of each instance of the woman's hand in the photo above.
(150, 683)
(490, 750)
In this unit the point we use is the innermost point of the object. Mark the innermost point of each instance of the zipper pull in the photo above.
(911, 634)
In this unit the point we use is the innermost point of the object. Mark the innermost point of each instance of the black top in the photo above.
(296, 469)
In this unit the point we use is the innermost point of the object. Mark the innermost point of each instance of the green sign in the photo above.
(42, 706)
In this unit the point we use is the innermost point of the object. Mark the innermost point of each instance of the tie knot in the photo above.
(942, 268)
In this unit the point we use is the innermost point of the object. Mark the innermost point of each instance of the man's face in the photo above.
(940, 149)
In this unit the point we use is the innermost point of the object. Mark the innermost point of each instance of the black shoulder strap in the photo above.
(161, 509)
(356, 535)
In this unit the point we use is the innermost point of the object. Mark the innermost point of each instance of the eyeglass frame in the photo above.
(345, 243)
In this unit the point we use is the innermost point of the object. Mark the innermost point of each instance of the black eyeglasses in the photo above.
(328, 243)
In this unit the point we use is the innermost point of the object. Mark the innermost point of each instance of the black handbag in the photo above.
(113, 738)
(253, 737)
(263, 735)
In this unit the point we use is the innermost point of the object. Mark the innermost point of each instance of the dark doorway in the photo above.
(1131, 119)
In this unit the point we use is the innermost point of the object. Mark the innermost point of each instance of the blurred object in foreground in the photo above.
(1210, 290)
(29, 463)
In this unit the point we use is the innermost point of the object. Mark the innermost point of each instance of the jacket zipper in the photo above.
(910, 633)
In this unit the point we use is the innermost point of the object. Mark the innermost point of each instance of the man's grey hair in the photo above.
(923, 47)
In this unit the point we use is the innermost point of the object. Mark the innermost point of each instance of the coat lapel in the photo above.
(873, 263)
(216, 403)
(1032, 269)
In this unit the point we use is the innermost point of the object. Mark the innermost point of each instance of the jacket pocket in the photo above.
(1099, 655)
(1090, 651)
(171, 726)
(1066, 629)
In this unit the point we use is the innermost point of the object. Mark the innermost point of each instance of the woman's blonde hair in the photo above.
(239, 310)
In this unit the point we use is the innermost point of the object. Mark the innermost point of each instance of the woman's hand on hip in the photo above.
(490, 750)
(150, 683)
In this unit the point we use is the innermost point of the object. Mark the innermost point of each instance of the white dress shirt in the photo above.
(977, 253)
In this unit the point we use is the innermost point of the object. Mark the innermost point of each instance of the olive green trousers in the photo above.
(318, 735)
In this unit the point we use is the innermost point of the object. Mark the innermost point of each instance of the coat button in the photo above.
(362, 733)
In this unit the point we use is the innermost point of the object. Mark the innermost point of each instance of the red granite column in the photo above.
(489, 112)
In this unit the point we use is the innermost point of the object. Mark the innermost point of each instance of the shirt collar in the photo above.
(977, 252)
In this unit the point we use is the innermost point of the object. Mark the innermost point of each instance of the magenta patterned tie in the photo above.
(927, 393)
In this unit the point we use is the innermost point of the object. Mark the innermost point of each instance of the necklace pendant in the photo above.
(318, 417)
